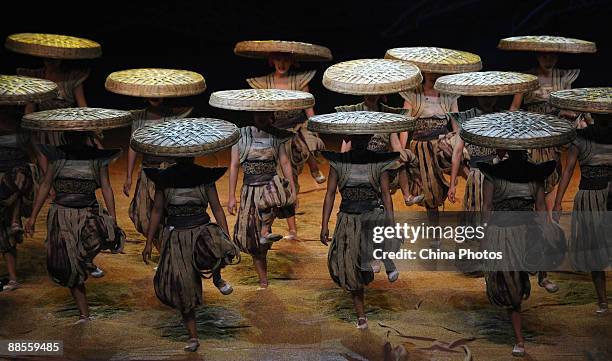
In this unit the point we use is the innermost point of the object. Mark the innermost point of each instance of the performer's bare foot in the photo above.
(548, 285)
(318, 176)
(292, 236)
(362, 323)
(412, 200)
(518, 350)
(192, 345)
(224, 287)
(12, 285)
(602, 309)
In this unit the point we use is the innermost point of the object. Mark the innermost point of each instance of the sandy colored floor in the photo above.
(303, 315)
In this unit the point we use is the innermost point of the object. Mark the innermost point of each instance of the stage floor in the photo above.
(303, 315)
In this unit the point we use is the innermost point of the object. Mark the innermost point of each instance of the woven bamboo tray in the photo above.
(155, 83)
(546, 43)
(371, 76)
(437, 60)
(20, 90)
(262, 100)
(517, 130)
(77, 119)
(360, 122)
(189, 137)
(592, 100)
(487, 83)
(53, 46)
(261, 49)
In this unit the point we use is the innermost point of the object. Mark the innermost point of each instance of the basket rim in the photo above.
(301, 51)
(444, 84)
(560, 100)
(401, 123)
(438, 67)
(574, 46)
(52, 51)
(34, 97)
(33, 121)
(168, 90)
(301, 100)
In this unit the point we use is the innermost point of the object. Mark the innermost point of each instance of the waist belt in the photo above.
(430, 129)
(514, 204)
(594, 177)
(258, 172)
(481, 159)
(188, 220)
(75, 200)
(75, 186)
(185, 210)
(358, 199)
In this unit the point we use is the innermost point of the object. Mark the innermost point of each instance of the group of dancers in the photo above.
(510, 159)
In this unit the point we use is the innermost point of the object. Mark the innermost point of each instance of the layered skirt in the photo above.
(544, 155)
(10, 199)
(433, 184)
(141, 206)
(472, 197)
(75, 236)
(302, 145)
(590, 245)
(187, 255)
(351, 249)
(252, 213)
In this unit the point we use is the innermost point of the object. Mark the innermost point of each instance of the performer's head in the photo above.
(547, 61)
(281, 62)
(54, 64)
(487, 104)
(430, 77)
(512, 154)
(155, 102)
(358, 141)
(372, 100)
(263, 119)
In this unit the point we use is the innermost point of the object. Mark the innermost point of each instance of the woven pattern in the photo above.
(262, 100)
(437, 60)
(360, 122)
(547, 43)
(80, 119)
(517, 130)
(189, 137)
(487, 83)
(593, 100)
(19, 90)
(300, 51)
(155, 83)
(371, 76)
(53, 46)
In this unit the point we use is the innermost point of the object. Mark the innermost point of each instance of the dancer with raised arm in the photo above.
(192, 246)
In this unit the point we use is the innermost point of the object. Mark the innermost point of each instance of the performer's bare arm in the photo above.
(156, 214)
(217, 209)
(568, 170)
(107, 192)
(131, 162)
(328, 204)
(233, 179)
(386, 196)
(41, 196)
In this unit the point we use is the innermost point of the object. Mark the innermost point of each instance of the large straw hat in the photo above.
(155, 83)
(77, 119)
(299, 51)
(592, 100)
(189, 137)
(487, 83)
(437, 60)
(360, 122)
(19, 90)
(53, 46)
(517, 130)
(262, 100)
(546, 43)
(371, 76)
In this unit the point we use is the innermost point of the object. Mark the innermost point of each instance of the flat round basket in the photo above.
(155, 83)
(20, 90)
(262, 49)
(517, 130)
(592, 100)
(77, 119)
(437, 60)
(546, 43)
(53, 46)
(189, 137)
(487, 83)
(360, 122)
(371, 76)
(262, 100)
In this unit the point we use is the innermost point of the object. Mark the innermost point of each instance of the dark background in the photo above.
(200, 35)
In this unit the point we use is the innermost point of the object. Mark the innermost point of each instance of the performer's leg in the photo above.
(11, 264)
(358, 305)
(261, 267)
(599, 281)
(519, 347)
(433, 216)
(189, 321)
(292, 225)
(80, 297)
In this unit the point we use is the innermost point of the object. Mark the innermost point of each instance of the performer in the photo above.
(78, 227)
(265, 194)
(551, 79)
(192, 246)
(17, 175)
(283, 56)
(154, 85)
(590, 244)
(374, 78)
(515, 185)
(55, 50)
(362, 179)
(430, 108)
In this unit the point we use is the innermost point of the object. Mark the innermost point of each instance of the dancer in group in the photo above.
(78, 227)
(154, 85)
(191, 245)
(513, 203)
(430, 108)
(374, 79)
(551, 78)
(17, 175)
(362, 179)
(590, 244)
(265, 194)
(283, 56)
(56, 51)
